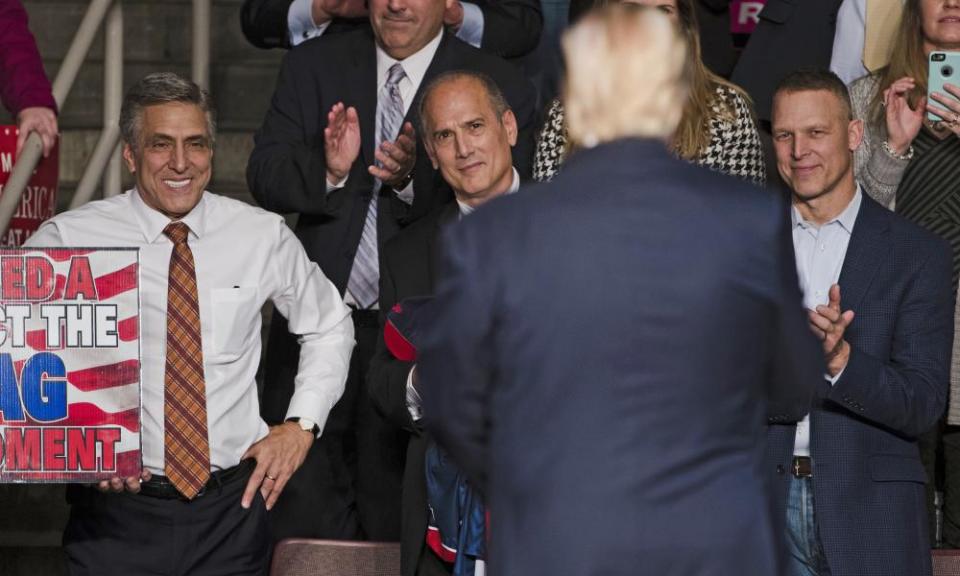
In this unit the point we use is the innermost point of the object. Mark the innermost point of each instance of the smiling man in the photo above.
(208, 264)
(339, 148)
(468, 129)
(878, 290)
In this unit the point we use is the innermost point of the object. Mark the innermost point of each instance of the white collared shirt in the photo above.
(466, 209)
(820, 252)
(243, 257)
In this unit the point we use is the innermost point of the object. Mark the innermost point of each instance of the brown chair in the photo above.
(304, 557)
(946, 563)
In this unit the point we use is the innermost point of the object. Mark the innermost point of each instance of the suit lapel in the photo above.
(447, 215)
(365, 64)
(866, 251)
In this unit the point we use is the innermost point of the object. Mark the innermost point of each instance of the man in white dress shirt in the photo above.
(207, 266)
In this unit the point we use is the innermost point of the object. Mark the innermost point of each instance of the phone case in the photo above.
(944, 68)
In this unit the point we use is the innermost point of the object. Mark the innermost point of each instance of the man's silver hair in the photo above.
(161, 88)
(494, 95)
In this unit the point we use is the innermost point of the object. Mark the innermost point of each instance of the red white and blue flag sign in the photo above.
(69, 365)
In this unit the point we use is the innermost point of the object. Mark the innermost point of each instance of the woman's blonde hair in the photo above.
(625, 76)
(702, 104)
(907, 58)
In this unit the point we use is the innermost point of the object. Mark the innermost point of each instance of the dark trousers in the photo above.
(430, 565)
(940, 452)
(349, 486)
(124, 534)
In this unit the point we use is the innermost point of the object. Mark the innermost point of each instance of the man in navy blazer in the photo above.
(879, 293)
(608, 348)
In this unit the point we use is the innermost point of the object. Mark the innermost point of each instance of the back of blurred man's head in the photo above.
(625, 76)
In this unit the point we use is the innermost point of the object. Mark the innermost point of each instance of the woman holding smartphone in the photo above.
(912, 164)
(902, 150)
(717, 129)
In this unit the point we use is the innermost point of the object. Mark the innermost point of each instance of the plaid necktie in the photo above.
(187, 450)
(364, 281)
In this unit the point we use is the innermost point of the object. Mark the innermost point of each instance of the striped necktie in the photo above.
(186, 447)
(364, 281)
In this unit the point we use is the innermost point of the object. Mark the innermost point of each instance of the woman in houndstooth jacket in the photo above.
(718, 129)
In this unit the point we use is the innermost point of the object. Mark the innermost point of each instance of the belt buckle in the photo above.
(806, 471)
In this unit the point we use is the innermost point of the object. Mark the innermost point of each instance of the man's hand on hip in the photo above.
(278, 456)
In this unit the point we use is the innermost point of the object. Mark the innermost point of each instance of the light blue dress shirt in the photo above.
(820, 252)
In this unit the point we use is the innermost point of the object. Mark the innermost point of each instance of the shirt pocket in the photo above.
(235, 311)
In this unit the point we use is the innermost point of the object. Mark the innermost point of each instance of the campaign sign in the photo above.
(69, 364)
(39, 199)
(745, 15)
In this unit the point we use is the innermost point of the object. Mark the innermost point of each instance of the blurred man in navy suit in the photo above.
(878, 290)
(609, 349)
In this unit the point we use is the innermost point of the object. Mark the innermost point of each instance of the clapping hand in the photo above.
(341, 141)
(829, 323)
(396, 159)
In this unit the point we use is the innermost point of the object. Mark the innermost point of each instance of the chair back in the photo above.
(307, 557)
(946, 563)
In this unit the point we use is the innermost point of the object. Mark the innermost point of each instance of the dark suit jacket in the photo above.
(602, 362)
(287, 172)
(408, 270)
(792, 34)
(511, 28)
(867, 476)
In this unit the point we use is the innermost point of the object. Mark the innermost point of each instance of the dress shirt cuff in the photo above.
(338, 185)
(300, 24)
(471, 29)
(833, 379)
(406, 195)
(414, 402)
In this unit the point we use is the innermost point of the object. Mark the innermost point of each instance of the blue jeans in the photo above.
(805, 554)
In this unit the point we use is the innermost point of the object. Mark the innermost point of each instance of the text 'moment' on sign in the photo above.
(69, 365)
(39, 199)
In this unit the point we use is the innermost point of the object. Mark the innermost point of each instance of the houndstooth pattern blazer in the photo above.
(734, 145)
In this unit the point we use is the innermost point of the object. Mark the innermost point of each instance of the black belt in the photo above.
(364, 316)
(161, 487)
(802, 467)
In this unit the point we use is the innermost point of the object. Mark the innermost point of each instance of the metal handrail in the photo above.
(200, 55)
(108, 148)
(30, 154)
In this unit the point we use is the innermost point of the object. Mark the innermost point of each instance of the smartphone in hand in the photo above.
(944, 68)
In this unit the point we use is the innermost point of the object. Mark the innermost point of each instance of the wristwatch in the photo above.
(405, 182)
(306, 424)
